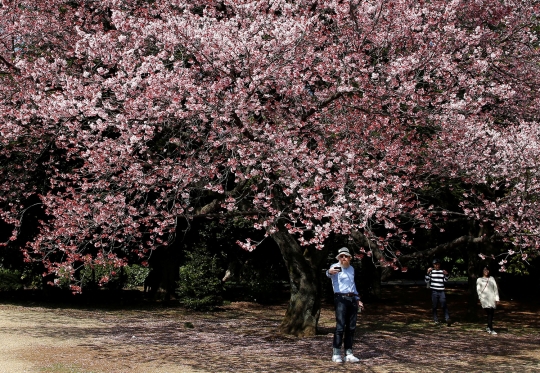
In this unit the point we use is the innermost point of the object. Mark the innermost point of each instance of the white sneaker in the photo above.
(493, 332)
(351, 359)
(337, 359)
(488, 330)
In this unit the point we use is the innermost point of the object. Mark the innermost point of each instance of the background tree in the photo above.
(308, 118)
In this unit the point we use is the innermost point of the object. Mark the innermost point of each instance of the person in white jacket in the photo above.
(486, 287)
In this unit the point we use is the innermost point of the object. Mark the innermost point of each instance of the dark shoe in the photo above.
(448, 322)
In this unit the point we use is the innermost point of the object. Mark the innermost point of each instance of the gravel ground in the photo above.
(393, 335)
(36, 339)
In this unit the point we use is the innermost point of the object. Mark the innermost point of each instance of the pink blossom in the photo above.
(285, 118)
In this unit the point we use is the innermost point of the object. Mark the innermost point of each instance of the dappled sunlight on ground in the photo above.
(394, 335)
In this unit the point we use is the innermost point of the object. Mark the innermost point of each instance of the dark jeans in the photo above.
(490, 312)
(438, 296)
(346, 313)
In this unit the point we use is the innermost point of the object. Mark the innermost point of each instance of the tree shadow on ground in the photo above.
(394, 335)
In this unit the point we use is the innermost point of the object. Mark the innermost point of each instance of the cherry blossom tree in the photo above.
(308, 118)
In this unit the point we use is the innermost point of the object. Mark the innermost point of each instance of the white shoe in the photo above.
(351, 359)
(493, 332)
(488, 330)
(337, 359)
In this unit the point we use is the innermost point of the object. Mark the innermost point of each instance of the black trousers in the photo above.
(490, 312)
(346, 313)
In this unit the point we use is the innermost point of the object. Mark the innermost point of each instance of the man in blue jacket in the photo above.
(347, 302)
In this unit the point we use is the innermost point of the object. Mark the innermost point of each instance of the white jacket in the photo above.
(487, 292)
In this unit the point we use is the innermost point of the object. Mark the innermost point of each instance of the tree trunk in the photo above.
(164, 266)
(373, 270)
(304, 265)
(370, 284)
(472, 276)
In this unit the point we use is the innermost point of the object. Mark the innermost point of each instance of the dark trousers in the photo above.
(490, 312)
(346, 313)
(438, 296)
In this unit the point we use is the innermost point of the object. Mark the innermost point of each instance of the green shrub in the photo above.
(31, 279)
(135, 275)
(261, 283)
(199, 286)
(90, 275)
(10, 280)
(128, 277)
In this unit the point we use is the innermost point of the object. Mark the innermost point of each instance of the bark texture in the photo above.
(304, 267)
(472, 298)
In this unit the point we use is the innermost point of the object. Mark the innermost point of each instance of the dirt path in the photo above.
(52, 340)
(393, 336)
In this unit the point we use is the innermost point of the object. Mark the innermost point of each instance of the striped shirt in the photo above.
(436, 279)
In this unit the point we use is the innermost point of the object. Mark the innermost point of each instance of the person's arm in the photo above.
(479, 286)
(446, 275)
(357, 297)
(331, 272)
(428, 275)
(495, 289)
(355, 290)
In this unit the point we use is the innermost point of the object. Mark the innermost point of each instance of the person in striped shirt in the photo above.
(436, 277)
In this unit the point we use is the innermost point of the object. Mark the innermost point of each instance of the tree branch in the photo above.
(442, 248)
(225, 215)
(8, 64)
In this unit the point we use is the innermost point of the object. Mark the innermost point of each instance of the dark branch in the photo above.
(445, 247)
(8, 64)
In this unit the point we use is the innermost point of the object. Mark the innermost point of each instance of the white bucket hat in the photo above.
(343, 250)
